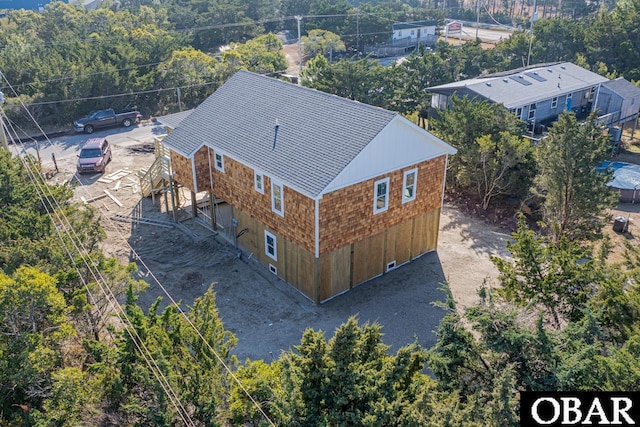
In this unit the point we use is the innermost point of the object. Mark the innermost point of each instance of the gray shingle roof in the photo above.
(318, 134)
(173, 120)
(526, 85)
(623, 87)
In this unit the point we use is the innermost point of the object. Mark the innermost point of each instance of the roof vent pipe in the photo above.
(275, 134)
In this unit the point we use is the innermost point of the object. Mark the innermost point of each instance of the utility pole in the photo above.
(477, 18)
(357, 30)
(299, 18)
(3, 135)
(533, 18)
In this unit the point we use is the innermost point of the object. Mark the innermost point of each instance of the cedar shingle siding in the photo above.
(346, 215)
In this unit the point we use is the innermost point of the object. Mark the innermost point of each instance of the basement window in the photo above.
(273, 269)
(381, 196)
(258, 182)
(277, 198)
(391, 265)
(409, 185)
(270, 245)
(219, 163)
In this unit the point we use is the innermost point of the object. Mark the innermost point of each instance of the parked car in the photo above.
(106, 118)
(94, 156)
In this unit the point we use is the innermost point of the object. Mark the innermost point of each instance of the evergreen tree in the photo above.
(574, 192)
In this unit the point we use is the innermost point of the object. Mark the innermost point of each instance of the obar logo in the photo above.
(579, 409)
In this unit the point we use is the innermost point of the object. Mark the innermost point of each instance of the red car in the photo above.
(94, 156)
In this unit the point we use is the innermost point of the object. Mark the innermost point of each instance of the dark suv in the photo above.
(94, 155)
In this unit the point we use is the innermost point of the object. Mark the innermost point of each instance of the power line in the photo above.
(67, 229)
(126, 321)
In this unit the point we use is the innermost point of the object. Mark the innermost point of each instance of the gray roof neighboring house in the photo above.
(525, 85)
(623, 87)
(173, 120)
(316, 137)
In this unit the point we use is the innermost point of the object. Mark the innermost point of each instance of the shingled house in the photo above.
(325, 192)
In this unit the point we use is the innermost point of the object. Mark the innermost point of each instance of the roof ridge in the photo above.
(320, 93)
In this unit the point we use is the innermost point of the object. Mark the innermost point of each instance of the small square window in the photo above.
(381, 195)
(277, 198)
(409, 185)
(270, 245)
(258, 181)
(219, 162)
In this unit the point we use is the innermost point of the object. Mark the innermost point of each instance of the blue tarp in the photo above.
(626, 176)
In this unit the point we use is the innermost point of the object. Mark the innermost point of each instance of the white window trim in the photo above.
(255, 182)
(273, 204)
(377, 210)
(275, 246)
(215, 160)
(404, 185)
(532, 111)
(554, 102)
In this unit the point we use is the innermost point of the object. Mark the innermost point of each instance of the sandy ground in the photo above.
(267, 315)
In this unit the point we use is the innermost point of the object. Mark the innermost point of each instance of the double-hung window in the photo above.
(277, 198)
(554, 102)
(381, 195)
(219, 161)
(532, 111)
(270, 245)
(409, 185)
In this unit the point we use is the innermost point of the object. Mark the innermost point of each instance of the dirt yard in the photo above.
(267, 315)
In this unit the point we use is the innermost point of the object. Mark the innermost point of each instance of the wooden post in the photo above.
(194, 205)
(174, 198)
(153, 195)
(212, 211)
(166, 196)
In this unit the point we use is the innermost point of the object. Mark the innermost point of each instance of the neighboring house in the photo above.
(618, 102)
(536, 94)
(325, 192)
(406, 37)
(415, 32)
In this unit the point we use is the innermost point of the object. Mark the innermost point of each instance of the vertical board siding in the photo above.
(368, 258)
(346, 215)
(398, 246)
(335, 275)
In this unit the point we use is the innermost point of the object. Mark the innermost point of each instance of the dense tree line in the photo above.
(67, 61)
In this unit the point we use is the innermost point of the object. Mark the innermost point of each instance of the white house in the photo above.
(414, 32)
